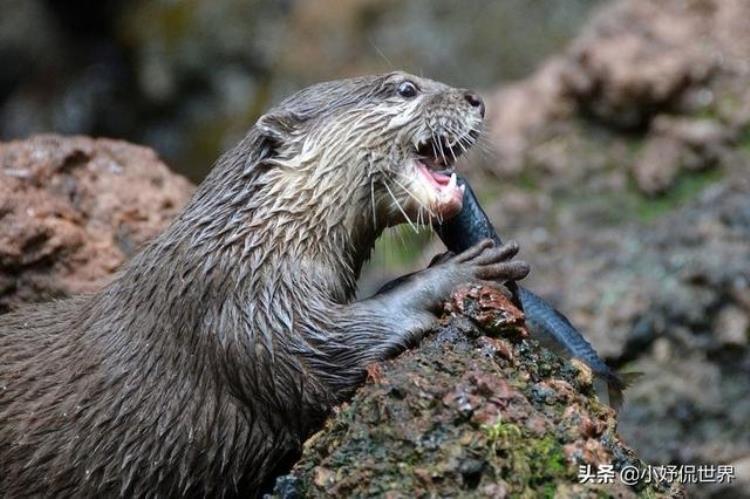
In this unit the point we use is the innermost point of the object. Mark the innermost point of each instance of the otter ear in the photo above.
(277, 126)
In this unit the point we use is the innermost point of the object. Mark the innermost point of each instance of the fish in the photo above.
(546, 324)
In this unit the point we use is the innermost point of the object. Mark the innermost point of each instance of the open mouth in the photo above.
(435, 162)
(438, 156)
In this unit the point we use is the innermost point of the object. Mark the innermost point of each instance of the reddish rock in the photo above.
(453, 421)
(676, 145)
(638, 58)
(653, 70)
(491, 308)
(72, 210)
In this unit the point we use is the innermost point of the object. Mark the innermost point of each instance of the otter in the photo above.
(219, 348)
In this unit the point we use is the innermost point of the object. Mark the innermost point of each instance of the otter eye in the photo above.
(407, 89)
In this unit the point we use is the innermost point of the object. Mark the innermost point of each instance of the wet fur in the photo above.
(220, 347)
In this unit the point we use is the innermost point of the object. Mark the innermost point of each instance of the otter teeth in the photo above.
(452, 182)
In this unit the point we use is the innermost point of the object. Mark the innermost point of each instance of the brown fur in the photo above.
(203, 367)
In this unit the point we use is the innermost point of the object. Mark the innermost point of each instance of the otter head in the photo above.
(387, 144)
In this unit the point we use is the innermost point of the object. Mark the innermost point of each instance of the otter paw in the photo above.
(487, 262)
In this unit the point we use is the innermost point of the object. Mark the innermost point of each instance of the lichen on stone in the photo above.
(470, 413)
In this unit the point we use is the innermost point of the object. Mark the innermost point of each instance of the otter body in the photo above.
(221, 346)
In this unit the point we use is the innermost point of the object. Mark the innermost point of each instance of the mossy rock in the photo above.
(468, 414)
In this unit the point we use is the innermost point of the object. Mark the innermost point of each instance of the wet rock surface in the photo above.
(72, 210)
(669, 300)
(626, 163)
(479, 410)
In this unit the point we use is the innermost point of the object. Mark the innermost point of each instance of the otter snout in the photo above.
(475, 101)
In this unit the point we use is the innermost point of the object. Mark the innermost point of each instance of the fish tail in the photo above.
(616, 385)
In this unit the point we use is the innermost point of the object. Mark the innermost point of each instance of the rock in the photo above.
(658, 166)
(188, 77)
(480, 413)
(653, 271)
(638, 58)
(653, 88)
(625, 163)
(518, 112)
(72, 210)
(677, 145)
(732, 326)
(668, 298)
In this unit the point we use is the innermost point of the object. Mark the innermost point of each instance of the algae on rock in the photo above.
(474, 411)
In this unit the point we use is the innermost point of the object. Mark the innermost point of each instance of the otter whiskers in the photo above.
(398, 205)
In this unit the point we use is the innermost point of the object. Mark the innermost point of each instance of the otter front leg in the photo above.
(425, 291)
(387, 323)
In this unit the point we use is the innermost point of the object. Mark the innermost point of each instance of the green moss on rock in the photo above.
(468, 415)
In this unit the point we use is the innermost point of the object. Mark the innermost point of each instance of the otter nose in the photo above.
(475, 101)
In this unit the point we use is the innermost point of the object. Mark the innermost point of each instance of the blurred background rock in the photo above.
(617, 152)
(187, 77)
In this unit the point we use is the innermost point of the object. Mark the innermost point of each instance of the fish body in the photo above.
(546, 324)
